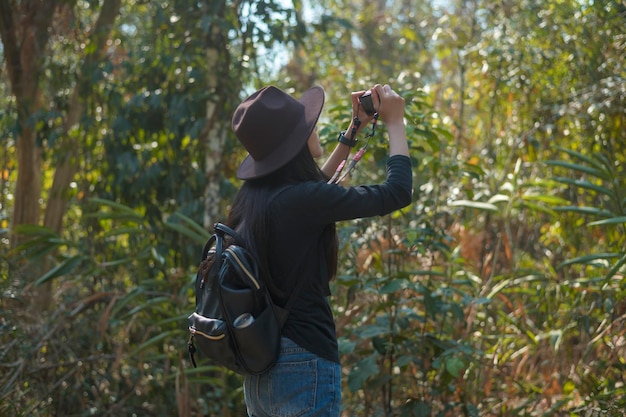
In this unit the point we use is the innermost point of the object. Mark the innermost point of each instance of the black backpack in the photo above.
(235, 323)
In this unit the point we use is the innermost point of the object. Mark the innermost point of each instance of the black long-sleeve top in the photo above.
(298, 216)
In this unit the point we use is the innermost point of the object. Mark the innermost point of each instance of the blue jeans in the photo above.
(301, 384)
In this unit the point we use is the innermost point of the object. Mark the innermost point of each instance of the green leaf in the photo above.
(580, 168)
(405, 360)
(577, 155)
(136, 292)
(202, 370)
(586, 210)
(587, 259)
(124, 231)
(191, 233)
(361, 371)
(614, 269)
(120, 211)
(61, 269)
(369, 331)
(110, 215)
(499, 198)
(544, 198)
(34, 230)
(586, 185)
(417, 409)
(472, 410)
(151, 342)
(392, 286)
(454, 365)
(346, 346)
(147, 304)
(475, 205)
(481, 300)
(193, 226)
(538, 208)
(116, 262)
(614, 220)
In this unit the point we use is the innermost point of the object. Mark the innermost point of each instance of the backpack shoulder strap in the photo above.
(207, 247)
(221, 229)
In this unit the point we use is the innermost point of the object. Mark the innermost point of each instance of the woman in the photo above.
(286, 210)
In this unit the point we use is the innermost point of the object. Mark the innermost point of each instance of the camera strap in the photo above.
(337, 177)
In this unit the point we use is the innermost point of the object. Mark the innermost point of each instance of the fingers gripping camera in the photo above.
(367, 103)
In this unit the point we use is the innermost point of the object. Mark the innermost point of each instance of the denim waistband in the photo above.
(288, 346)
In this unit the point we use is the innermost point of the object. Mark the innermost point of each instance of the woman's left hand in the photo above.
(357, 108)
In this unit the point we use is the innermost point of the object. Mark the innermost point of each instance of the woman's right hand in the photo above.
(390, 104)
(391, 111)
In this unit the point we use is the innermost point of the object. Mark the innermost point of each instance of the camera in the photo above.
(367, 103)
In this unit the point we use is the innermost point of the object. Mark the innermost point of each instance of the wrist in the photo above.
(343, 139)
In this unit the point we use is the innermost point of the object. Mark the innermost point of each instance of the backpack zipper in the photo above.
(241, 265)
(193, 330)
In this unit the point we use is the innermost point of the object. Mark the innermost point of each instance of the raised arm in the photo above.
(390, 108)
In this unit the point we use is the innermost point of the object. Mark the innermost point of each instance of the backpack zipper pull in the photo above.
(192, 350)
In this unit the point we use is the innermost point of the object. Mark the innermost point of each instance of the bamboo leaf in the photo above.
(586, 210)
(106, 215)
(37, 246)
(127, 299)
(588, 259)
(34, 230)
(181, 318)
(190, 233)
(61, 269)
(147, 304)
(615, 268)
(586, 185)
(580, 168)
(201, 370)
(584, 158)
(124, 231)
(120, 210)
(151, 342)
(606, 163)
(193, 225)
(544, 198)
(475, 205)
(112, 204)
(499, 198)
(116, 262)
(538, 208)
(614, 220)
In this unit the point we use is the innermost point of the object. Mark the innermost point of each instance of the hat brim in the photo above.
(313, 101)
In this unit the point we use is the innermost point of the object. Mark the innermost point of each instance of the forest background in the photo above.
(499, 292)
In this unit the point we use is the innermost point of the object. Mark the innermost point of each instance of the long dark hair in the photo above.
(248, 212)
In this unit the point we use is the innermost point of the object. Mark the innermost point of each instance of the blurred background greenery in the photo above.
(499, 292)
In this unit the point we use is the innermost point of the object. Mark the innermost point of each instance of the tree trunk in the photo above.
(68, 163)
(24, 30)
(215, 132)
(24, 33)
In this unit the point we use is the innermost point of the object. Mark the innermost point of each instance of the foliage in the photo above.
(499, 291)
(114, 342)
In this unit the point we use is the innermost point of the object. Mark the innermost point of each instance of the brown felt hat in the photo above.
(273, 127)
